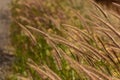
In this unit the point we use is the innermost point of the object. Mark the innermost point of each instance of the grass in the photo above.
(64, 40)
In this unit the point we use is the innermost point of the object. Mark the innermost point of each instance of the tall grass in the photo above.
(65, 40)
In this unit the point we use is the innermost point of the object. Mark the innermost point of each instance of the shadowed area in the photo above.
(6, 60)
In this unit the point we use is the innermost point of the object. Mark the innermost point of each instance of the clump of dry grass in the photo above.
(110, 4)
(65, 43)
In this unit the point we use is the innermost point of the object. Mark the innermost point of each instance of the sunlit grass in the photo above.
(62, 40)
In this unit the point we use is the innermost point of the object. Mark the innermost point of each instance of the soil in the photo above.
(6, 57)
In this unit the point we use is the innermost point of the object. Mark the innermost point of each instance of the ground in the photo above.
(6, 57)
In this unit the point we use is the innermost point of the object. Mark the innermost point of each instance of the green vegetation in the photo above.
(64, 40)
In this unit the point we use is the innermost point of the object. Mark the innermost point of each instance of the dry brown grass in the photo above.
(88, 42)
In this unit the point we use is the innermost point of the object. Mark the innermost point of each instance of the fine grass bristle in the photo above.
(57, 40)
(110, 4)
